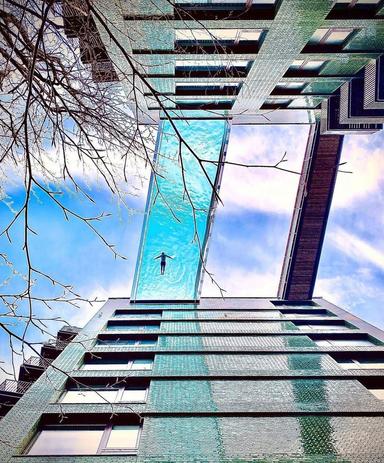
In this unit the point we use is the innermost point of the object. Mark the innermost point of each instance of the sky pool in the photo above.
(169, 223)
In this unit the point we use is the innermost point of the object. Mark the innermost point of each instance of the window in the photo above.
(133, 327)
(222, 35)
(212, 67)
(362, 9)
(218, 40)
(343, 342)
(126, 313)
(333, 37)
(136, 364)
(127, 342)
(306, 314)
(85, 440)
(285, 86)
(379, 393)
(307, 65)
(353, 364)
(322, 326)
(114, 395)
(208, 88)
(138, 315)
(272, 103)
(305, 102)
(358, 2)
(202, 104)
(89, 397)
(211, 63)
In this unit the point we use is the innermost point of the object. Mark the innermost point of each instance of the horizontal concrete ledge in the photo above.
(261, 413)
(238, 333)
(258, 375)
(252, 350)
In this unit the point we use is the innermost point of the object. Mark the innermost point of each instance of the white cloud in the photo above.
(355, 247)
(242, 282)
(364, 157)
(356, 293)
(262, 189)
(81, 316)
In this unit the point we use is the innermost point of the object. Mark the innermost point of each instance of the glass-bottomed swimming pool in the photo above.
(169, 224)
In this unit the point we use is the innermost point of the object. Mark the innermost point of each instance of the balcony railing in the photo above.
(15, 387)
(37, 362)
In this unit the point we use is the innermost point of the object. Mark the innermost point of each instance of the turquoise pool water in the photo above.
(169, 225)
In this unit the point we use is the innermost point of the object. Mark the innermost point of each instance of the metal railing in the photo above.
(16, 387)
(37, 362)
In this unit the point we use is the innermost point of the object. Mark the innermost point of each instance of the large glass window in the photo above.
(379, 393)
(114, 395)
(127, 342)
(85, 440)
(87, 396)
(307, 65)
(123, 437)
(132, 314)
(358, 2)
(353, 364)
(136, 364)
(133, 327)
(322, 326)
(333, 37)
(344, 342)
(222, 35)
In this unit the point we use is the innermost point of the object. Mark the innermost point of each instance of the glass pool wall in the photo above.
(171, 224)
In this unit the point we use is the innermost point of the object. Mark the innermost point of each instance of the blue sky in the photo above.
(249, 233)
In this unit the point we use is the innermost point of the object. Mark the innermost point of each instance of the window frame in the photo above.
(118, 396)
(125, 342)
(101, 449)
(127, 366)
(329, 31)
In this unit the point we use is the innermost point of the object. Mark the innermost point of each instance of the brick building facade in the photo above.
(234, 380)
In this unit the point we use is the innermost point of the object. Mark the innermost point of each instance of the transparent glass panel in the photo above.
(134, 395)
(366, 365)
(88, 397)
(142, 364)
(277, 101)
(322, 327)
(123, 437)
(67, 442)
(318, 35)
(348, 365)
(137, 315)
(338, 37)
(379, 393)
(351, 342)
(132, 327)
(161, 231)
(291, 85)
(217, 34)
(359, 2)
(211, 62)
(313, 65)
(146, 342)
(104, 366)
(297, 63)
(323, 343)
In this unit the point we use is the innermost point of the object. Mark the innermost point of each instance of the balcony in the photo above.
(32, 368)
(10, 393)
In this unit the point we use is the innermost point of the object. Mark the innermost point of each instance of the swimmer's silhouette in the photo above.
(163, 261)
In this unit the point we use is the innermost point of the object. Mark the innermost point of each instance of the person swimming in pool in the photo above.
(163, 261)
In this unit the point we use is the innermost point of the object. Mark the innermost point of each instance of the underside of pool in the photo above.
(181, 203)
